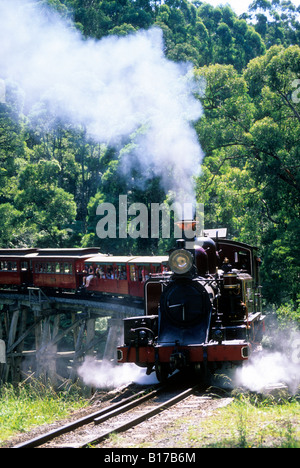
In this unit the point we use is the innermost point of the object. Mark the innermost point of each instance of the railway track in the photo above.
(116, 418)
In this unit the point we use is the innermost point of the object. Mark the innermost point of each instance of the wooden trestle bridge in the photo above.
(49, 336)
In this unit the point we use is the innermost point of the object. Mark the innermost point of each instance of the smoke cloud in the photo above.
(279, 365)
(106, 375)
(113, 87)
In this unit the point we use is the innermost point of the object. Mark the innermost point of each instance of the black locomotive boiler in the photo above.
(203, 313)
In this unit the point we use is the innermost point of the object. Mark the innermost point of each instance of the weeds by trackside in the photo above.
(32, 404)
(250, 421)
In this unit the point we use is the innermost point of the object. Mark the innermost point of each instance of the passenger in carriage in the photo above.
(109, 273)
(123, 274)
(89, 277)
(99, 271)
(145, 275)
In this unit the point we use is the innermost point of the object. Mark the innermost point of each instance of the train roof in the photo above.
(17, 253)
(155, 259)
(66, 253)
(78, 252)
(220, 235)
(110, 259)
(237, 244)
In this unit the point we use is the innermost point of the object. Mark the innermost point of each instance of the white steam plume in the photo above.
(106, 375)
(270, 367)
(111, 86)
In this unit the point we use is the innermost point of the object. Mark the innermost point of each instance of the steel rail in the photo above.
(105, 413)
(138, 420)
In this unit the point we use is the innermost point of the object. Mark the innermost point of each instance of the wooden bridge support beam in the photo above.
(49, 339)
(11, 367)
(114, 338)
(2, 357)
(46, 351)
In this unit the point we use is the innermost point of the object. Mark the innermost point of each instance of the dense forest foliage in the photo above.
(53, 176)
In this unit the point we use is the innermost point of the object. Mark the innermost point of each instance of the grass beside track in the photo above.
(250, 423)
(25, 406)
(251, 420)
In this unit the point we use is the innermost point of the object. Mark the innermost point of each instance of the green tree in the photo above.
(277, 21)
(12, 158)
(276, 162)
(251, 124)
(47, 210)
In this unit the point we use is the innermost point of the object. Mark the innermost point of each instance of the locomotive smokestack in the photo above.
(188, 228)
(191, 223)
(180, 244)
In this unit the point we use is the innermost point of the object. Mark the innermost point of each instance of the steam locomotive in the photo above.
(202, 314)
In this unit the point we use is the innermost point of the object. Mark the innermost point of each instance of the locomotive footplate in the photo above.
(233, 350)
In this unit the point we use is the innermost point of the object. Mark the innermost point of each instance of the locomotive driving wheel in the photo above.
(201, 372)
(162, 371)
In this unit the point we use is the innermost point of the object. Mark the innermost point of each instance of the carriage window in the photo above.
(38, 268)
(11, 266)
(132, 273)
(68, 268)
(245, 262)
(24, 266)
(109, 272)
(100, 271)
(123, 273)
(144, 273)
(49, 268)
(57, 267)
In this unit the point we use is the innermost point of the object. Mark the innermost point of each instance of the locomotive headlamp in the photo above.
(180, 261)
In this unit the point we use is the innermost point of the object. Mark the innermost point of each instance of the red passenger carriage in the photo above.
(60, 268)
(16, 267)
(122, 275)
(74, 269)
